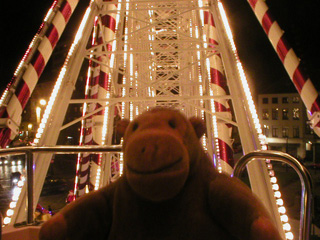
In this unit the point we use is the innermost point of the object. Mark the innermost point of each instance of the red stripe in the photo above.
(226, 152)
(219, 107)
(109, 22)
(38, 62)
(66, 10)
(299, 79)
(5, 134)
(315, 106)
(23, 93)
(95, 158)
(104, 80)
(253, 3)
(282, 48)
(267, 21)
(52, 35)
(208, 18)
(218, 78)
(212, 42)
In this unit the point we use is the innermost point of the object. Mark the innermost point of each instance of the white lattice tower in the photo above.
(153, 53)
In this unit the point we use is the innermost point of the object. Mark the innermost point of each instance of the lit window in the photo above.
(296, 113)
(285, 114)
(275, 113)
(265, 114)
(295, 99)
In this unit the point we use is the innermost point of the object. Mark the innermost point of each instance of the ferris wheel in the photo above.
(140, 54)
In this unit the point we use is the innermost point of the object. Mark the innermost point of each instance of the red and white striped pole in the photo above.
(219, 87)
(83, 163)
(291, 62)
(90, 164)
(26, 76)
(102, 85)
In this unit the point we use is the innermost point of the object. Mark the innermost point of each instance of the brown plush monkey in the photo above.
(169, 190)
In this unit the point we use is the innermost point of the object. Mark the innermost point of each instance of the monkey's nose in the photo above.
(149, 151)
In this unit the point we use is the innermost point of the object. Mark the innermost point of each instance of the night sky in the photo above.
(20, 20)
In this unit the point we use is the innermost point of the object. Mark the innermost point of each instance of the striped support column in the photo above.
(102, 86)
(84, 160)
(31, 67)
(90, 164)
(218, 84)
(301, 81)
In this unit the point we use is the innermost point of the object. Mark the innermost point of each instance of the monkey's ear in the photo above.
(198, 126)
(122, 126)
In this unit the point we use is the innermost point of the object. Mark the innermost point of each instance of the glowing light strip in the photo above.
(275, 186)
(196, 33)
(15, 197)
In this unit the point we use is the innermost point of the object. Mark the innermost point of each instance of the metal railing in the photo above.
(304, 175)
(305, 178)
(28, 151)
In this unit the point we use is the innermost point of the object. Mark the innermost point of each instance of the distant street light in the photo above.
(42, 103)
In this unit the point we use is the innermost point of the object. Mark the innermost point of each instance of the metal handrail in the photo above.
(28, 152)
(303, 173)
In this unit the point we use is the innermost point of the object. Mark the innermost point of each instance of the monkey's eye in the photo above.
(172, 123)
(135, 126)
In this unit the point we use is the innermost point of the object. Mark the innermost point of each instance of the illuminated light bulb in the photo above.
(286, 227)
(271, 173)
(9, 212)
(12, 204)
(289, 236)
(279, 202)
(284, 218)
(273, 179)
(275, 187)
(6, 220)
(16, 191)
(277, 194)
(15, 198)
(282, 210)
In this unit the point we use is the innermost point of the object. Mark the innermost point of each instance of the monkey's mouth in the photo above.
(155, 171)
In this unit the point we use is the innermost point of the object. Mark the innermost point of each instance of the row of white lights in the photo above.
(15, 197)
(275, 187)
